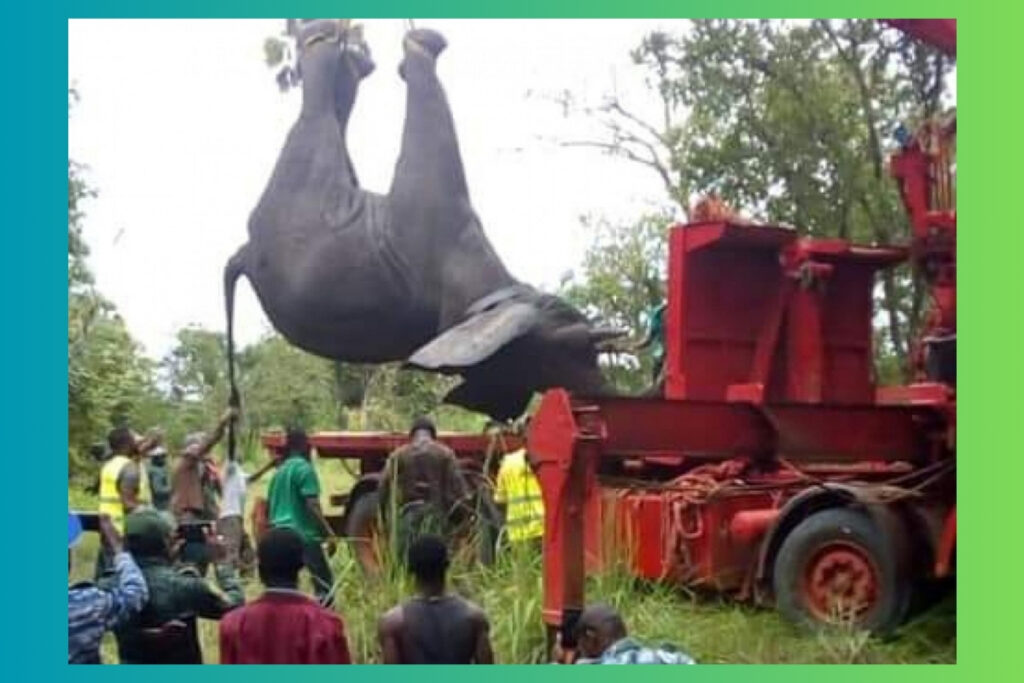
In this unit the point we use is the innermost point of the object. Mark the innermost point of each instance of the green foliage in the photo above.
(622, 279)
(110, 382)
(791, 123)
(713, 630)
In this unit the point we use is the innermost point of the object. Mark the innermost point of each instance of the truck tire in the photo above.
(838, 568)
(361, 531)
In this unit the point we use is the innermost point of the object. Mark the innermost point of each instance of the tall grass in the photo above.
(710, 628)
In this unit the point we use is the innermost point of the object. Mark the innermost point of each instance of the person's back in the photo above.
(439, 630)
(423, 472)
(435, 627)
(283, 626)
(518, 494)
(294, 481)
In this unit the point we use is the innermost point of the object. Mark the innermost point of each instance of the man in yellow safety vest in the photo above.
(124, 485)
(518, 495)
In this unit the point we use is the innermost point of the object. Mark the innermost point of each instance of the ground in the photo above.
(710, 629)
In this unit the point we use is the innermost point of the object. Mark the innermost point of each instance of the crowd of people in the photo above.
(160, 533)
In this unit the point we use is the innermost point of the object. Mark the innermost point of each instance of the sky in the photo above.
(180, 123)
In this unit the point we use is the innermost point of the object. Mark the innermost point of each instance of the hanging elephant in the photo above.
(409, 275)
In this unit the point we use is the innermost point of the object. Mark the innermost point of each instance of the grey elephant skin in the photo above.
(410, 276)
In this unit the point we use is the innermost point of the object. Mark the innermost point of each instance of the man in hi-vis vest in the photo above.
(124, 484)
(518, 495)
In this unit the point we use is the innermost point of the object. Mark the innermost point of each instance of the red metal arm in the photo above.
(940, 33)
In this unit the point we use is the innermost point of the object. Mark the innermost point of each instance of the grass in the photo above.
(712, 630)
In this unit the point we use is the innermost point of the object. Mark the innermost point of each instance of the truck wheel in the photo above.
(361, 531)
(837, 567)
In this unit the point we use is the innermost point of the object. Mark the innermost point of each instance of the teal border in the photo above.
(34, 410)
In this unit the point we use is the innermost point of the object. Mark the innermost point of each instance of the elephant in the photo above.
(410, 276)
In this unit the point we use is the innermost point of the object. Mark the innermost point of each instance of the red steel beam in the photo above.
(371, 444)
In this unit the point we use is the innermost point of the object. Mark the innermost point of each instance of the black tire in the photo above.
(853, 543)
(361, 529)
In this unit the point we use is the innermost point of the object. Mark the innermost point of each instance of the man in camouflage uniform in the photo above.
(165, 631)
(602, 639)
(422, 490)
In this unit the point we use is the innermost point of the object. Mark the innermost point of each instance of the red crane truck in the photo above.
(772, 467)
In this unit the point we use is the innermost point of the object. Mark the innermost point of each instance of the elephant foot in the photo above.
(358, 54)
(309, 32)
(424, 42)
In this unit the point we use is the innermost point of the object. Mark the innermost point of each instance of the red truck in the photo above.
(771, 466)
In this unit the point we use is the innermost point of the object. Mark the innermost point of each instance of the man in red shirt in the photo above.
(284, 626)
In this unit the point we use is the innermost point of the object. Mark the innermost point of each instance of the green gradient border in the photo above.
(34, 134)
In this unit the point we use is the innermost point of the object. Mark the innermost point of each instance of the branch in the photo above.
(850, 60)
(614, 105)
(618, 148)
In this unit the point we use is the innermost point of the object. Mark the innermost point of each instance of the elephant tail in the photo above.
(234, 269)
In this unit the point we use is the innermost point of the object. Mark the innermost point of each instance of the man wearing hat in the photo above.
(422, 487)
(92, 610)
(195, 486)
(165, 631)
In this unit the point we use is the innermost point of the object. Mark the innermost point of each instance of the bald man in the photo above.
(602, 639)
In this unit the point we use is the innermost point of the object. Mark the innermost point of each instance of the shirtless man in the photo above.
(435, 626)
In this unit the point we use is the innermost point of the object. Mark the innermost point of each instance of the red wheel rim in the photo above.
(840, 582)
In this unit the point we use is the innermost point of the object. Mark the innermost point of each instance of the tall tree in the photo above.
(790, 122)
(110, 382)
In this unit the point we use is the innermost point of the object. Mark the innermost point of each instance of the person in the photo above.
(159, 478)
(654, 339)
(601, 638)
(231, 522)
(94, 610)
(294, 502)
(435, 626)
(165, 631)
(421, 487)
(518, 496)
(283, 626)
(195, 486)
(124, 487)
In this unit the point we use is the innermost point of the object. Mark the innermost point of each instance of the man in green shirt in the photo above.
(654, 339)
(294, 503)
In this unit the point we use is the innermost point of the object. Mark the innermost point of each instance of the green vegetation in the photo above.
(787, 122)
(711, 629)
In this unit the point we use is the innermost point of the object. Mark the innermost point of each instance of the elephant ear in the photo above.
(476, 339)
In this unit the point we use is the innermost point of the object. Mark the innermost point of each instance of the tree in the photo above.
(622, 279)
(110, 382)
(790, 123)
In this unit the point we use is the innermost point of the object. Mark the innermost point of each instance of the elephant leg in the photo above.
(429, 168)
